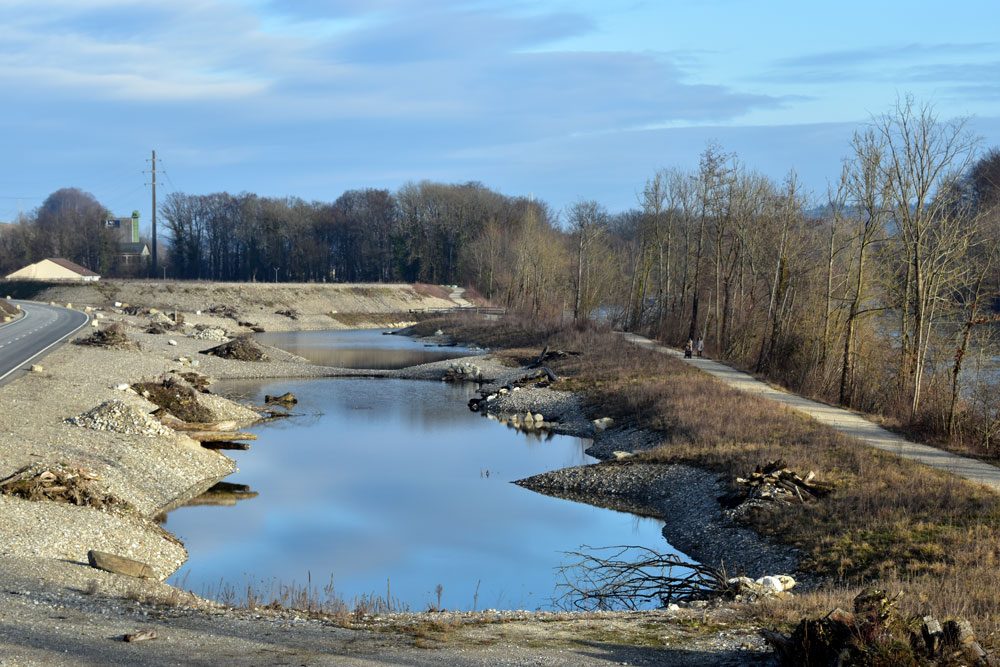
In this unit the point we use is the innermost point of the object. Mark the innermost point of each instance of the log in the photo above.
(181, 425)
(119, 565)
(538, 362)
(219, 436)
(226, 445)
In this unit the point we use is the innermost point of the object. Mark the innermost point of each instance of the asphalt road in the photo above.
(32, 336)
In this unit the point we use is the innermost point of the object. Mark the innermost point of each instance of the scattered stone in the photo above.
(35, 368)
(119, 565)
(120, 417)
(171, 342)
(621, 455)
(745, 589)
(140, 636)
(463, 372)
(212, 333)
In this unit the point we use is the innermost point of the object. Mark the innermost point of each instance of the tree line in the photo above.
(880, 295)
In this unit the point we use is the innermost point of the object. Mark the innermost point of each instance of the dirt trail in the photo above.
(846, 422)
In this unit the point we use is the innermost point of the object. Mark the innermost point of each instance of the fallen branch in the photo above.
(604, 582)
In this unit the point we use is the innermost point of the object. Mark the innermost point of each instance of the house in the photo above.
(126, 233)
(54, 268)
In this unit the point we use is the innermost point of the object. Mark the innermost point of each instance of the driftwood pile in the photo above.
(212, 435)
(876, 633)
(551, 354)
(59, 483)
(241, 349)
(113, 336)
(775, 482)
(224, 311)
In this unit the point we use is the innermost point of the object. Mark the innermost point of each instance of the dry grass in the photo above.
(890, 522)
(435, 291)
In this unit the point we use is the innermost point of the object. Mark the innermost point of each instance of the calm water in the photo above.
(360, 348)
(398, 480)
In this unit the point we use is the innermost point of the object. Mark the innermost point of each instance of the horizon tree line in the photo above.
(881, 299)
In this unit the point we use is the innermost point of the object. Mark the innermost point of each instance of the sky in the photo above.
(559, 100)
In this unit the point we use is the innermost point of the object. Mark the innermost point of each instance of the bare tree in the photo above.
(923, 157)
(588, 221)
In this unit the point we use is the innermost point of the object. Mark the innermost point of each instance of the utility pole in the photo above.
(152, 268)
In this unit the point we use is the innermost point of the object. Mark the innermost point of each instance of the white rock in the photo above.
(118, 304)
(171, 342)
(93, 323)
(438, 332)
(621, 454)
(197, 312)
(539, 417)
(740, 581)
(771, 584)
(602, 424)
(122, 387)
(673, 606)
(35, 368)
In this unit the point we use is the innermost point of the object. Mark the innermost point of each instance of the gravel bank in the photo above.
(57, 610)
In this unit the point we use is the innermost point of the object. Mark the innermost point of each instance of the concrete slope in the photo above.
(846, 422)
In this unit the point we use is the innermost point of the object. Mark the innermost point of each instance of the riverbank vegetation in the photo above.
(879, 295)
(890, 523)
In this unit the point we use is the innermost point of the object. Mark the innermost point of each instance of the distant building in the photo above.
(54, 268)
(126, 231)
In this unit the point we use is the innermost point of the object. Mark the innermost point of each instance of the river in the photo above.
(377, 484)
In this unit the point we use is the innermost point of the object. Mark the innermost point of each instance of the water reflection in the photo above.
(360, 348)
(398, 480)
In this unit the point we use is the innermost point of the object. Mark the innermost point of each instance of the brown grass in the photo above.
(435, 291)
(890, 522)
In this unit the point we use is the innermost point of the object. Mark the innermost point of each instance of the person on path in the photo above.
(701, 345)
(688, 347)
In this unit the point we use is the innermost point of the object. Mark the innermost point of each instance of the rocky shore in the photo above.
(58, 610)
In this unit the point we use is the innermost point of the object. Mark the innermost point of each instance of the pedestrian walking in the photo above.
(701, 345)
(688, 348)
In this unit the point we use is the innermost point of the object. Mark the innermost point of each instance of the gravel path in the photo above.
(842, 420)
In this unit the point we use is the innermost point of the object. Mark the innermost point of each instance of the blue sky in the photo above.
(565, 100)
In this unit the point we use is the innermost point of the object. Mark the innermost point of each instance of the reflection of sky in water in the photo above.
(387, 479)
(360, 348)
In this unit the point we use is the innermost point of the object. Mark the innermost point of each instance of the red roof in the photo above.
(75, 268)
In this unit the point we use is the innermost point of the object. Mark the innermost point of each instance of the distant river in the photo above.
(396, 480)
